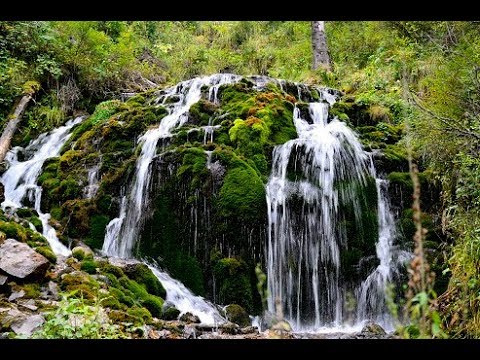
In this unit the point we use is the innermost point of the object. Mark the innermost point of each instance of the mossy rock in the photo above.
(48, 253)
(237, 314)
(136, 316)
(89, 266)
(107, 268)
(142, 274)
(154, 305)
(170, 313)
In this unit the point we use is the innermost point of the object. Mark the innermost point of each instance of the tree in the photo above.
(319, 46)
(5, 140)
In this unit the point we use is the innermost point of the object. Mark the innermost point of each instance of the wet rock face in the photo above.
(20, 260)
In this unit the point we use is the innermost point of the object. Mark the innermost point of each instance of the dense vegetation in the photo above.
(407, 86)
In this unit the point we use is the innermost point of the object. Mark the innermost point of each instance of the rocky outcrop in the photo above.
(21, 261)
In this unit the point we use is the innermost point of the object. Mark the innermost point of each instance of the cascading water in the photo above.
(122, 232)
(372, 303)
(20, 180)
(93, 182)
(121, 243)
(312, 177)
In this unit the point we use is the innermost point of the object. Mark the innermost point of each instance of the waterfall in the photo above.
(312, 177)
(93, 182)
(20, 180)
(372, 301)
(120, 243)
(185, 301)
(122, 232)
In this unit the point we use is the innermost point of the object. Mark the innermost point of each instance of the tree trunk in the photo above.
(319, 46)
(11, 127)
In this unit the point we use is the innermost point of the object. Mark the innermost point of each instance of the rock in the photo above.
(372, 328)
(16, 295)
(53, 290)
(229, 328)
(82, 251)
(21, 261)
(169, 312)
(21, 323)
(189, 332)
(3, 280)
(238, 315)
(249, 330)
(282, 326)
(159, 334)
(189, 318)
(28, 325)
(28, 304)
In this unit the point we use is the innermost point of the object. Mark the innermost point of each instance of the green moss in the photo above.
(78, 253)
(32, 291)
(236, 314)
(121, 296)
(233, 282)
(242, 194)
(108, 268)
(140, 313)
(48, 253)
(26, 212)
(14, 231)
(69, 159)
(89, 266)
(37, 223)
(96, 235)
(154, 305)
(142, 274)
(110, 301)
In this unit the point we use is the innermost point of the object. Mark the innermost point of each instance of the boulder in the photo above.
(372, 328)
(238, 315)
(21, 323)
(20, 260)
(189, 318)
(170, 312)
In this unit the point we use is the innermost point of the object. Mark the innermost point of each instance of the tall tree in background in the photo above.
(319, 46)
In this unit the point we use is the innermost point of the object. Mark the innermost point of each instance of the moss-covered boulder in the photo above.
(237, 315)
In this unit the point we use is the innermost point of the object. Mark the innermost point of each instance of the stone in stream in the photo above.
(20, 260)
(169, 311)
(372, 328)
(189, 318)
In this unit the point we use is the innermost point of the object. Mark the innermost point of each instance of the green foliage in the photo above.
(74, 319)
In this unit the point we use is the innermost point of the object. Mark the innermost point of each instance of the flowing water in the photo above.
(312, 178)
(120, 243)
(20, 180)
(308, 185)
(122, 232)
